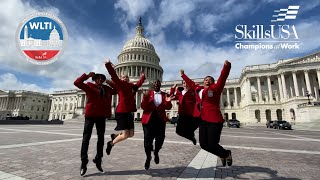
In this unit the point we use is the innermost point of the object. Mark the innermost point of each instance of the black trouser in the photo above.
(186, 126)
(155, 129)
(87, 131)
(209, 136)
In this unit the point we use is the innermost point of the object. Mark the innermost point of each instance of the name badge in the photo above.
(210, 93)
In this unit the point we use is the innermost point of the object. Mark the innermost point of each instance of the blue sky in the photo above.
(194, 35)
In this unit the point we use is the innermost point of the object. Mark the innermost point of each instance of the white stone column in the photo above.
(316, 92)
(137, 73)
(1, 102)
(131, 71)
(306, 75)
(137, 99)
(235, 97)
(284, 87)
(269, 88)
(228, 97)
(280, 88)
(221, 101)
(85, 100)
(79, 101)
(318, 75)
(249, 96)
(150, 76)
(259, 89)
(295, 83)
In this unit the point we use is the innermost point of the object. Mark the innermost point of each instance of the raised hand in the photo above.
(174, 86)
(227, 63)
(91, 74)
(170, 98)
(141, 73)
(181, 72)
(107, 61)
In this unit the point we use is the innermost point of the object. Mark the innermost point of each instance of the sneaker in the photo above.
(156, 158)
(194, 141)
(223, 161)
(109, 147)
(229, 159)
(98, 164)
(147, 163)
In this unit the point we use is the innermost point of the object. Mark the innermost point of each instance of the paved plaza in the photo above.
(53, 152)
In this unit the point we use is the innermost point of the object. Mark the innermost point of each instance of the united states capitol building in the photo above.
(285, 90)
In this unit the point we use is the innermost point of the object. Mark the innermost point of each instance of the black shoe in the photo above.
(229, 159)
(83, 168)
(194, 141)
(156, 158)
(109, 147)
(113, 136)
(223, 161)
(98, 164)
(147, 163)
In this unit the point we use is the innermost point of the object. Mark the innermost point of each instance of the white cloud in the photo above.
(225, 38)
(133, 9)
(207, 22)
(9, 81)
(177, 12)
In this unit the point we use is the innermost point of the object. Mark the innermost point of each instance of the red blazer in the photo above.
(210, 109)
(96, 106)
(186, 101)
(148, 107)
(127, 102)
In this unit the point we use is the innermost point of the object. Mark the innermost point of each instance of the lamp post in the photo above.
(308, 95)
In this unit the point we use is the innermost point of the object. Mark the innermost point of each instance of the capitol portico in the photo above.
(285, 90)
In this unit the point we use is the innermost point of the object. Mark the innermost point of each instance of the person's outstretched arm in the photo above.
(168, 104)
(141, 80)
(111, 71)
(188, 81)
(79, 81)
(223, 76)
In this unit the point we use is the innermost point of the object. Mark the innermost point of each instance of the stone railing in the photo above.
(316, 103)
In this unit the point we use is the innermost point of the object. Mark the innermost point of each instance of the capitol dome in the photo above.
(138, 54)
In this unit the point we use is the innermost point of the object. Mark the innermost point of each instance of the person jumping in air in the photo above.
(98, 108)
(186, 124)
(126, 105)
(208, 109)
(154, 105)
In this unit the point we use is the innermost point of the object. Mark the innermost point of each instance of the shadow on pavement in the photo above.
(237, 172)
(249, 172)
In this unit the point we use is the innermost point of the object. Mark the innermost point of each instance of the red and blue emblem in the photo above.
(41, 38)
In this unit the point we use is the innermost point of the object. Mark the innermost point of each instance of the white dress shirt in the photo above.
(184, 91)
(200, 93)
(157, 98)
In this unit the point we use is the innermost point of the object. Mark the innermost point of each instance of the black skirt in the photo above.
(186, 126)
(124, 121)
